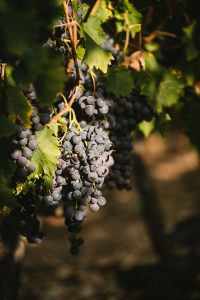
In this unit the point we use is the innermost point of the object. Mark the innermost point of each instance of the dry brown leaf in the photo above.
(197, 88)
(135, 61)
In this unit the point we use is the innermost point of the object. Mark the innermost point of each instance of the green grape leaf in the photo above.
(151, 64)
(119, 81)
(131, 15)
(148, 85)
(6, 173)
(7, 128)
(191, 51)
(103, 13)
(48, 182)
(7, 199)
(95, 56)
(85, 8)
(94, 29)
(170, 90)
(18, 106)
(134, 18)
(50, 80)
(24, 187)
(80, 52)
(45, 157)
(147, 127)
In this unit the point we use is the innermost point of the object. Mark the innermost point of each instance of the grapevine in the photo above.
(69, 135)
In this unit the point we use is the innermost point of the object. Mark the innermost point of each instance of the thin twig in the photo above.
(127, 33)
(65, 24)
(95, 7)
(156, 33)
(75, 32)
(66, 108)
(3, 70)
(65, 6)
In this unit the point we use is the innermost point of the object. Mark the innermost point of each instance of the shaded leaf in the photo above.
(170, 89)
(119, 81)
(18, 106)
(94, 29)
(191, 51)
(103, 13)
(7, 128)
(50, 80)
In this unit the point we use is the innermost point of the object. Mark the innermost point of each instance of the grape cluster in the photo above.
(124, 116)
(92, 106)
(86, 157)
(27, 142)
(86, 164)
(29, 225)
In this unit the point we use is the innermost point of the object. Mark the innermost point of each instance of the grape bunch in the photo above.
(124, 116)
(96, 125)
(86, 165)
(29, 225)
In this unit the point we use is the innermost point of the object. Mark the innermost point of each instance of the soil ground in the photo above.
(117, 260)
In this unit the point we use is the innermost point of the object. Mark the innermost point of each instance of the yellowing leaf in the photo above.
(45, 157)
(147, 127)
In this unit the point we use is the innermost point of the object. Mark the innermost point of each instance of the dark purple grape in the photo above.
(90, 110)
(23, 134)
(27, 152)
(22, 162)
(104, 109)
(23, 142)
(31, 168)
(35, 119)
(32, 144)
(94, 207)
(16, 154)
(56, 196)
(23, 172)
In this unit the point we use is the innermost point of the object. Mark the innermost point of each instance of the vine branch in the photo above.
(73, 38)
(95, 7)
(3, 70)
(127, 33)
(156, 33)
(67, 106)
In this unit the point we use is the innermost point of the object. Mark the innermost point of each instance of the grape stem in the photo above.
(157, 33)
(65, 24)
(3, 70)
(127, 33)
(67, 105)
(95, 7)
(73, 38)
